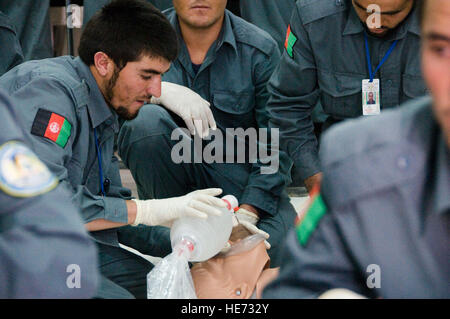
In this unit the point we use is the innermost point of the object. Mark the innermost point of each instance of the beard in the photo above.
(124, 114)
(120, 110)
(388, 32)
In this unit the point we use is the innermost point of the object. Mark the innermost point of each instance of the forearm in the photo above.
(102, 224)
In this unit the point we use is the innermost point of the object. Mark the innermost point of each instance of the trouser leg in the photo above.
(124, 269)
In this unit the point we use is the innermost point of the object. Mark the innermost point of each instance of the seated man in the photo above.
(70, 109)
(380, 225)
(228, 62)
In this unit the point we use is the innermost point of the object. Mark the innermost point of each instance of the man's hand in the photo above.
(188, 105)
(249, 220)
(200, 203)
(311, 181)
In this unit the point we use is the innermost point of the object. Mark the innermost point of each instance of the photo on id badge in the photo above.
(371, 97)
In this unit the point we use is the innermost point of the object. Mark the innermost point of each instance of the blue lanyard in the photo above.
(369, 63)
(99, 158)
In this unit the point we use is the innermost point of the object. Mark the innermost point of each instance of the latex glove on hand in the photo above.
(191, 107)
(164, 212)
(249, 221)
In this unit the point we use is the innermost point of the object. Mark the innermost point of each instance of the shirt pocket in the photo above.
(413, 87)
(341, 94)
(234, 109)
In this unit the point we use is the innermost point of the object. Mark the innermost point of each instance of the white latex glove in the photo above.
(200, 203)
(249, 221)
(188, 105)
(340, 293)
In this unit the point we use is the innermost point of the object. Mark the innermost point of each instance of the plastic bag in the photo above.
(171, 277)
(244, 245)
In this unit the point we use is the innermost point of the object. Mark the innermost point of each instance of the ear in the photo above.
(103, 64)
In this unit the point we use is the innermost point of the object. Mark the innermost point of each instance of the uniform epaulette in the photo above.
(250, 34)
(312, 10)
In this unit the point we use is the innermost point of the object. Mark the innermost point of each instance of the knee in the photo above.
(153, 124)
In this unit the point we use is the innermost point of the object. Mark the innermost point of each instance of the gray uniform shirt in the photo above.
(329, 62)
(66, 87)
(10, 52)
(233, 78)
(32, 22)
(43, 241)
(387, 198)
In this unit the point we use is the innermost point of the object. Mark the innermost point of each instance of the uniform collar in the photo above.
(226, 35)
(354, 24)
(411, 24)
(440, 199)
(98, 110)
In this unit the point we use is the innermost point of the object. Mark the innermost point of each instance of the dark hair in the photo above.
(127, 29)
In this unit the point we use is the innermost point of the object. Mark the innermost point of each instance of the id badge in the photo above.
(371, 97)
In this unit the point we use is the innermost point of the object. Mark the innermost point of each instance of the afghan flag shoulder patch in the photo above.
(291, 39)
(52, 126)
(306, 225)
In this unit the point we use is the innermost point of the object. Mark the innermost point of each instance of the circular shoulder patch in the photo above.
(22, 174)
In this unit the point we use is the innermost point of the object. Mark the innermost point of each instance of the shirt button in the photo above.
(339, 2)
(389, 83)
(108, 122)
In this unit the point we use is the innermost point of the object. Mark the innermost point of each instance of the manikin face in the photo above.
(393, 12)
(436, 59)
(127, 90)
(200, 14)
(230, 277)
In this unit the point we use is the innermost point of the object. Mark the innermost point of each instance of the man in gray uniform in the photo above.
(70, 108)
(45, 251)
(228, 62)
(329, 47)
(10, 51)
(380, 226)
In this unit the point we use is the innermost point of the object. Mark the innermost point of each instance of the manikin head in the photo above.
(232, 275)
